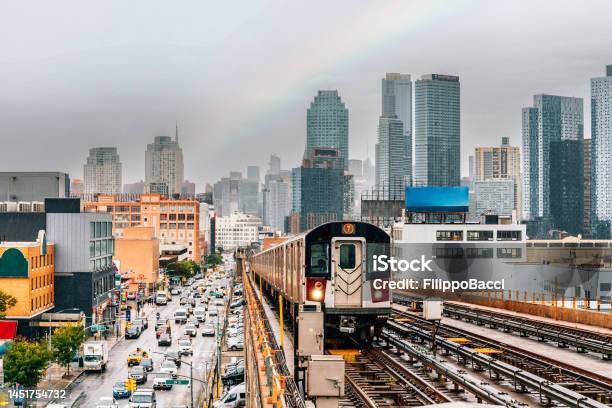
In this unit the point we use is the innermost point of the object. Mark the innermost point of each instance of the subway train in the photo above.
(330, 268)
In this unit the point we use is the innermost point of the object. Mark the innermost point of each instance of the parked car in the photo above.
(234, 397)
(235, 343)
(233, 376)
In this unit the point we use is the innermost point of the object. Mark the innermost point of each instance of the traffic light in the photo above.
(130, 384)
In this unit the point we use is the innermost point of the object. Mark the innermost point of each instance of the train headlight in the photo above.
(315, 289)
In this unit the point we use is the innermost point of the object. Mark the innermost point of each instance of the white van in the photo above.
(235, 397)
(161, 299)
(200, 313)
(180, 315)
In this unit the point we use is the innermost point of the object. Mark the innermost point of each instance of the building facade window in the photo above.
(449, 235)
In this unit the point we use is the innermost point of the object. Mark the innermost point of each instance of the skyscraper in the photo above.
(587, 173)
(327, 125)
(397, 101)
(164, 165)
(553, 162)
(601, 133)
(253, 174)
(437, 130)
(102, 171)
(499, 163)
(392, 163)
(275, 165)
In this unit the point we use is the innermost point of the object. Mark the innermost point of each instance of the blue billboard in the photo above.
(437, 199)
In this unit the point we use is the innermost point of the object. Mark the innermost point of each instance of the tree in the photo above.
(25, 361)
(185, 268)
(214, 259)
(66, 341)
(6, 302)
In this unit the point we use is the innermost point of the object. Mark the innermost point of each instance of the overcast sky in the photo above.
(238, 76)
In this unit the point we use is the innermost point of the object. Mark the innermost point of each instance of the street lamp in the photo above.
(190, 372)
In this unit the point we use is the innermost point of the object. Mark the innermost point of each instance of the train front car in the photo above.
(339, 275)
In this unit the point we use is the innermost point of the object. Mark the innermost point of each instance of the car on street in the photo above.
(175, 292)
(147, 364)
(161, 322)
(132, 332)
(131, 296)
(208, 330)
(162, 329)
(180, 315)
(183, 301)
(164, 340)
(139, 374)
(160, 382)
(119, 390)
(185, 346)
(142, 322)
(169, 367)
(136, 357)
(191, 330)
(143, 398)
(193, 320)
(175, 356)
(107, 402)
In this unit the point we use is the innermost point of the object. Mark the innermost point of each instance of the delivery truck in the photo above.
(95, 355)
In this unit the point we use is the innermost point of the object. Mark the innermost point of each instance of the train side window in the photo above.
(347, 256)
(319, 262)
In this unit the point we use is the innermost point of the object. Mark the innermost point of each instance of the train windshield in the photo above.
(347, 256)
(319, 259)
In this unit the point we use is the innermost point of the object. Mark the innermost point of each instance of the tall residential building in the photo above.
(397, 102)
(553, 162)
(320, 189)
(102, 171)
(499, 163)
(235, 194)
(601, 134)
(236, 230)
(253, 174)
(392, 155)
(588, 182)
(274, 165)
(327, 125)
(437, 130)
(176, 222)
(164, 165)
(276, 202)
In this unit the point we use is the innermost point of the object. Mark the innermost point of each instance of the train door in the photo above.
(347, 261)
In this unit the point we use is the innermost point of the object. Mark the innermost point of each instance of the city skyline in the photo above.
(127, 109)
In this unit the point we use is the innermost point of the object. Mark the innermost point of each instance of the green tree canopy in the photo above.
(25, 361)
(66, 341)
(185, 268)
(6, 302)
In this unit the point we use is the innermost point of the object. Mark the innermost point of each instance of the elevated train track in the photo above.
(579, 339)
(554, 381)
